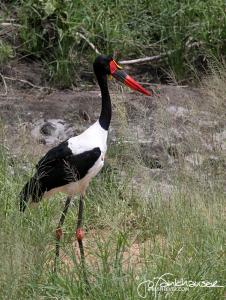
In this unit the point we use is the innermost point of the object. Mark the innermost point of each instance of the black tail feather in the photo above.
(32, 190)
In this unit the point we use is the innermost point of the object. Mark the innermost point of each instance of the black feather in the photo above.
(61, 151)
(57, 168)
(31, 189)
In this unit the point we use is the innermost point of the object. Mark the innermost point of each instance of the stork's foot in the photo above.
(79, 234)
(59, 233)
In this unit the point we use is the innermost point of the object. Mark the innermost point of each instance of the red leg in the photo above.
(79, 231)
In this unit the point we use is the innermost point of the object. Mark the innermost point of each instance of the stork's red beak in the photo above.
(120, 75)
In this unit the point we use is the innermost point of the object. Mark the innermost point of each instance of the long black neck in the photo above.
(105, 116)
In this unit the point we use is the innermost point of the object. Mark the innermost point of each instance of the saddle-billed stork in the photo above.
(70, 166)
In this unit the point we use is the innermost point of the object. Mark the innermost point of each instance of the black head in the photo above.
(102, 64)
(106, 65)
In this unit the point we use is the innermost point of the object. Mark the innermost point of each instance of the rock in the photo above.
(47, 128)
(51, 131)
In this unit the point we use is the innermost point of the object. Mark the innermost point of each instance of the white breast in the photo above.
(94, 136)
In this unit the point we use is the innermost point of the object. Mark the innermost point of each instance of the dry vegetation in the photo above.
(159, 205)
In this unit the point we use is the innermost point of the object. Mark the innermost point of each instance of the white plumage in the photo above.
(93, 137)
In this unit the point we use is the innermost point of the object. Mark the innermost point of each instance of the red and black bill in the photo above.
(122, 76)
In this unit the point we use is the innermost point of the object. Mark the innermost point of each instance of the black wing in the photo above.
(61, 151)
(60, 166)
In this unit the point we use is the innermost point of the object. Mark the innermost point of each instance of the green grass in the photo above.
(130, 29)
(184, 236)
(6, 52)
